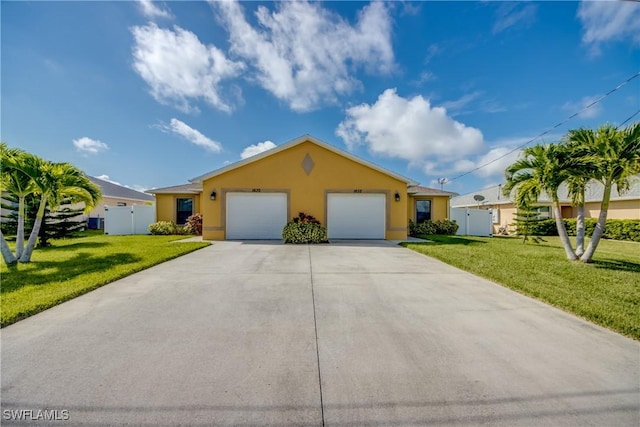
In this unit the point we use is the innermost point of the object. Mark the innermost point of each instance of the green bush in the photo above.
(446, 227)
(615, 229)
(623, 229)
(545, 227)
(163, 228)
(570, 225)
(304, 229)
(430, 227)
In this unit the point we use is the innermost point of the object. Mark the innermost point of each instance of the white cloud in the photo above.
(462, 102)
(151, 10)
(304, 54)
(258, 148)
(425, 77)
(495, 162)
(192, 135)
(575, 106)
(179, 68)
(89, 146)
(410, 129)
(604, 21)
(509, 14)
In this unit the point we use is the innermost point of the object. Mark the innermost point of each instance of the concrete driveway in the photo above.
(344, 334)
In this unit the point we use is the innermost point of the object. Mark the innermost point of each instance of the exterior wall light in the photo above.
(397, 196)
(213, 195)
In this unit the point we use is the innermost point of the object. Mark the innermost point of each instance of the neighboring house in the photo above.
(622, 206)
(115, 195)
(255, 197)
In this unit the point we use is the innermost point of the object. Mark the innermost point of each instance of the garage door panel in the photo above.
(256, 216)
(356, 216)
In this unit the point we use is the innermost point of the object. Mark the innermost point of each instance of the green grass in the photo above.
(72, 267)
(606, 292)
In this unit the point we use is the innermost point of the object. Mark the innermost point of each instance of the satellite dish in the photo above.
(478, 197)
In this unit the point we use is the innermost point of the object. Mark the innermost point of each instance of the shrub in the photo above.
(616, 229)
(304, 229)
(623, 229)
(164, 228)
(430, 227)
(545, 227)
(446, 227)
(194, 224)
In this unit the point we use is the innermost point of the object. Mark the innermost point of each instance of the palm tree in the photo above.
(577, 186)
(17, 182)
(541, 169)
(616, 154)
(55, 182)
(578, 142)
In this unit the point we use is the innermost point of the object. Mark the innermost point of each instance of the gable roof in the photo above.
(293, 143)
(109, 189)
(428, 191)
(184, 188)
(493, 195)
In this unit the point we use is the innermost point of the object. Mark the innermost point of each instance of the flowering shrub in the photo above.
(194, 224)
(164, 228)
(304, 229)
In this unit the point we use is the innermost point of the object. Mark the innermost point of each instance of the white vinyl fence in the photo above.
(133, 219)
(472, 222)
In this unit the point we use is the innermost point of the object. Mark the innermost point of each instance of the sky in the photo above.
(152, 94)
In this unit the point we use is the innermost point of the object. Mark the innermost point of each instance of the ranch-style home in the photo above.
(621, 206)
(255, 197)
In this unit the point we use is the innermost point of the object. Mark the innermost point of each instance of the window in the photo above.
(184, 209)
(423, 211)
(543, 212)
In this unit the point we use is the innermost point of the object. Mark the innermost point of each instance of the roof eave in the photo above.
(293, 143)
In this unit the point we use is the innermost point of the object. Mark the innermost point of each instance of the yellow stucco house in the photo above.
(255, 197)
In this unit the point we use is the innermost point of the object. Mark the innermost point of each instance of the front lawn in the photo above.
(606, 292)
(72, 267)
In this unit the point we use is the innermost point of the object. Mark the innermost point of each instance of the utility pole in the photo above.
(442, 181)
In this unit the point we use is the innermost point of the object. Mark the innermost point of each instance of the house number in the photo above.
(357, 190)
(255, 190)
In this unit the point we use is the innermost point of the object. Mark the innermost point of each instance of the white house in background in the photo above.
(622, 206)
(115, 195)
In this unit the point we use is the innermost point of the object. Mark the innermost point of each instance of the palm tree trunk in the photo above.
(31, 244)
(602, 222)
(20, 232)
(7, 255)
(580, 231)
(562, 232)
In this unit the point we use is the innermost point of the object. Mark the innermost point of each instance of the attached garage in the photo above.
(255, 216)
(256, 196)
(356, 216)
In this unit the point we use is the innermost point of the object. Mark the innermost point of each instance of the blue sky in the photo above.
(153, 94)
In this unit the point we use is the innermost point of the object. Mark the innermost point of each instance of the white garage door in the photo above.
(256, 215)
(356, 216)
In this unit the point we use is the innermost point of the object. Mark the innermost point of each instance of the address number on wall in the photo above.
(255, 190)
(357, 190)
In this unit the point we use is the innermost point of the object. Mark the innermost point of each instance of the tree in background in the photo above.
(608, 155)
(526, 221)
(541, 169)
(616, 157)
(53, 184)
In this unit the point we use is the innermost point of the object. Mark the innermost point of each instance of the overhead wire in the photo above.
(620, 85)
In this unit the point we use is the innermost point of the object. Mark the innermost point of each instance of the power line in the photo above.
(554, 127)
(628, 118)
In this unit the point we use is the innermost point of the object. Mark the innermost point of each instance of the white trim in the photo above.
(293, 143)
